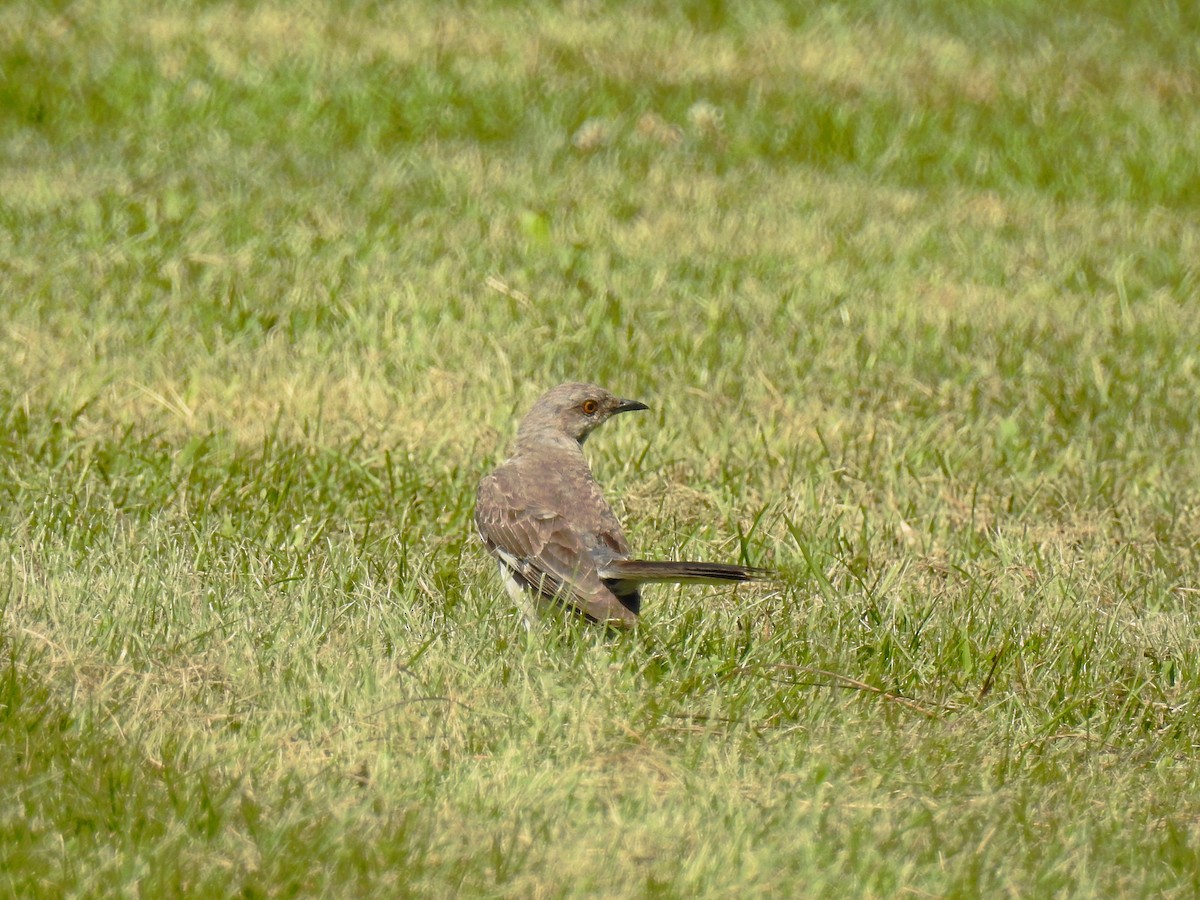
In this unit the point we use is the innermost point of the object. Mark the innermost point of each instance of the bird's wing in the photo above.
(546, 552)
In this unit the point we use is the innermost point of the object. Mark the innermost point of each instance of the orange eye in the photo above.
(589, 407)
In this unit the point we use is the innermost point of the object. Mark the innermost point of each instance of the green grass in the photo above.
(911, 289)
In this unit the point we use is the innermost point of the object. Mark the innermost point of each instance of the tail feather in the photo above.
(642, 571)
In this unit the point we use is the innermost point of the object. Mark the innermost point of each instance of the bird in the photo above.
(557, 541)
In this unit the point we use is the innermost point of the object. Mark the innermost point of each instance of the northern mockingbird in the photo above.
(544, 518)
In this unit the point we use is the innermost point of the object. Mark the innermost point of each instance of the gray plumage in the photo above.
(544, 518)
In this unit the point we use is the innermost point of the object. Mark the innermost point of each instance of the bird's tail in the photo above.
(641, 571)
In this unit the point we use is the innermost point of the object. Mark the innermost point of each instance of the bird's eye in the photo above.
(589, 407)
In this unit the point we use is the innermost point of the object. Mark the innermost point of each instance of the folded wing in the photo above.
(544, 551)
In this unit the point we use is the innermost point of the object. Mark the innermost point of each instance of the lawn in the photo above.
(912, 290)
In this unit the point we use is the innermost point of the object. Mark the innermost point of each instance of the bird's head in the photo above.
(574, 410)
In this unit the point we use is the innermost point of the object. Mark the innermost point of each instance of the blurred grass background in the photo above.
(911, 290)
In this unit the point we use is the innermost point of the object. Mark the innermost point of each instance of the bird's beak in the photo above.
(630, 406)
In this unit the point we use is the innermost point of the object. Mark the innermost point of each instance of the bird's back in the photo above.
(544, 518)
(559, 483)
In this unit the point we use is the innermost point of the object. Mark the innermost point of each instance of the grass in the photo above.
(911, 289)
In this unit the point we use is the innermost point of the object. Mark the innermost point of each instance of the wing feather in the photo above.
(546, 552)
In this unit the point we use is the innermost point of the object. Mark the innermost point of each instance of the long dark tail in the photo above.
(641, 571)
